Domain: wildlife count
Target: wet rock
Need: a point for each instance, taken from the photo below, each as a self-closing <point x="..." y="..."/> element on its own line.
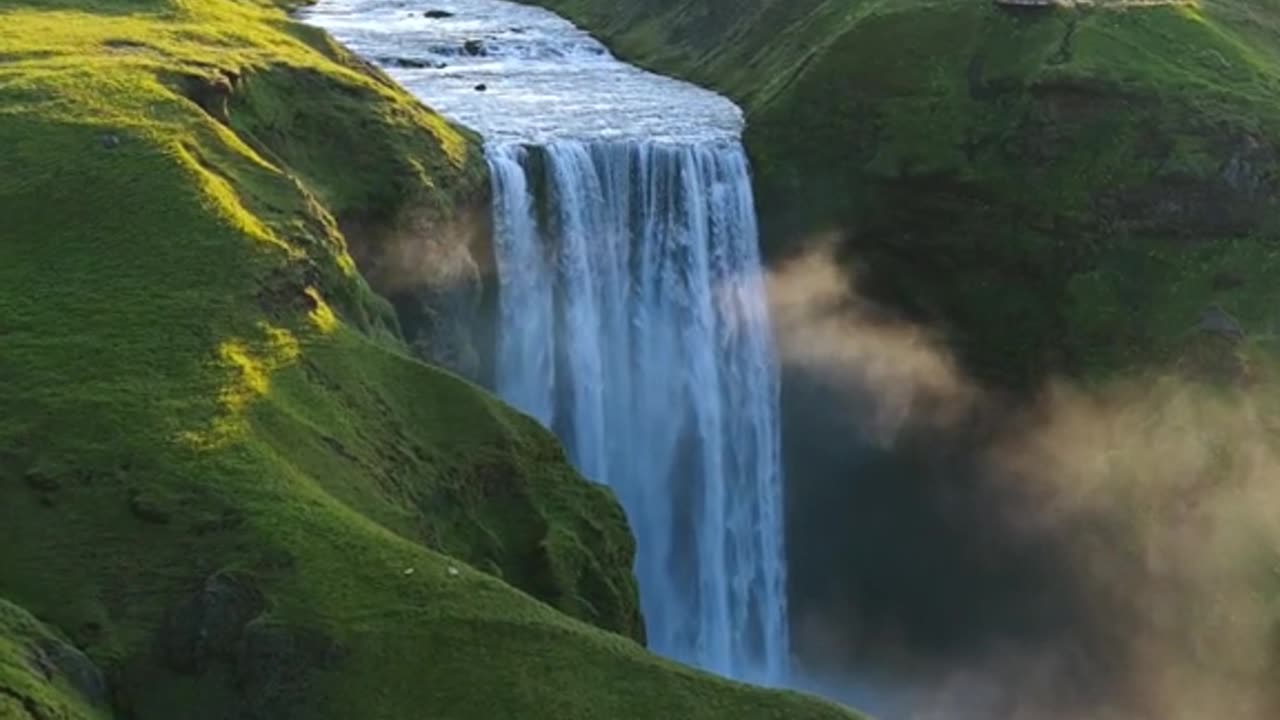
<point x="437" y="14"/>
<point x="481" y="87"/>
<point x="209" y="625"/>
<point x="475" y="48"/>
<point x="410" y="63"/>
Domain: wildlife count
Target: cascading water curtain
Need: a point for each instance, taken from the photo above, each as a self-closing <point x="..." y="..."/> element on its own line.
<point x="634" y="324"/>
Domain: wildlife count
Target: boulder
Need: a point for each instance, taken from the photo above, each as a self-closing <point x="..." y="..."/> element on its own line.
<point x="209" y="624"/>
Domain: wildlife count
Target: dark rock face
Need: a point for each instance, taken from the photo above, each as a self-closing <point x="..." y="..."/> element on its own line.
<point x="49" y="677"/>
<point x="54" y="659"/>
<point x="434" y="273"/>
<point x="273" y="664"/>
<point x="270" y="663"/>
<point x="209" y="625"/>
<point x="436" y="324"/>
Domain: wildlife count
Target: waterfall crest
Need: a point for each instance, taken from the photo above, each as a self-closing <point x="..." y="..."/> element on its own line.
<point x="633" y="322"/>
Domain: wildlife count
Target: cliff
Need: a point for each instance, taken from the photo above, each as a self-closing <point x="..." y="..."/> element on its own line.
<point x="1057" y="189"/>
<point x="227" y="487"/>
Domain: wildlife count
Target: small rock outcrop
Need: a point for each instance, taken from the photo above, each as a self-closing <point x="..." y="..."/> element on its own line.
<point x="54" y="659"/>
<point x="46" y="676"/>
<point x="209" y="624"/>
<point x="269" y="662"/>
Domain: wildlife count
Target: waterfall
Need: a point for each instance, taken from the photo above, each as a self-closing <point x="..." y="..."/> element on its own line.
<point x="633" y="323"/>
<point x="632" y="313"/>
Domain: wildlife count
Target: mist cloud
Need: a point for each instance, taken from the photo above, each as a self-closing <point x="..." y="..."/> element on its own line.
<point x="1152" y="504"/>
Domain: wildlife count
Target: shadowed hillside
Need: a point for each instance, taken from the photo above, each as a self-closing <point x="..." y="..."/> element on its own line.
<point x="1017" y="200"/>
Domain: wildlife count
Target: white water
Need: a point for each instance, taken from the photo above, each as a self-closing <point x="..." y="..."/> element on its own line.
<point x="633" y="319"/>
<point x="545" y="79"/>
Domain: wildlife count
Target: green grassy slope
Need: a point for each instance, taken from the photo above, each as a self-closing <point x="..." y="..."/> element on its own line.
<point x="222" y="476"/>
<point x="1059" y="189"/>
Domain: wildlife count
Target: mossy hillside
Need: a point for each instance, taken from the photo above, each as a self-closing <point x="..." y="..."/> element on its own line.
<point x="297" y="266"/>
<point x="1059" y="189"/>
<point x="221" y="475"/>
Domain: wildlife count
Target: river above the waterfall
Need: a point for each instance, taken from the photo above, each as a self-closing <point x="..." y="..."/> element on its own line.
<point x="521" y="74"/>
